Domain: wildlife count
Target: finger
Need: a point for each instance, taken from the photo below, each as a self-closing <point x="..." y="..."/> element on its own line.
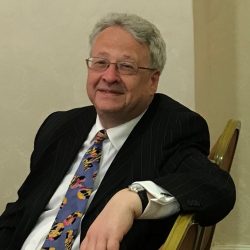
<point x="113" y="245"/>
<point x="87" y="244"/>
<point x="83" y="244"/>
<point x="101" y="244"/>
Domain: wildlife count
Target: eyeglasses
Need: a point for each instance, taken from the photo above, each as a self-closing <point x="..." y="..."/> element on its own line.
<point x="124" y="68"/>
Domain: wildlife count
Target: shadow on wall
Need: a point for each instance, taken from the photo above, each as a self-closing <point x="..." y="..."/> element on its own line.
<point x="216" y="72"/>
<point x="215" y="61"/>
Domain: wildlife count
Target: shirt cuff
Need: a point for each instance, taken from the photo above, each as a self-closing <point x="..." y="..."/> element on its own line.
<point x="162" y="204"/>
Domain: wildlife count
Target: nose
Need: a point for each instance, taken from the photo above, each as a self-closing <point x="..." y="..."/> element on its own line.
<point x="111" y="74"/>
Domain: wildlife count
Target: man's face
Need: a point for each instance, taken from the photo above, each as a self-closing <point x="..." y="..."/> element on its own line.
<point x="116" y="97"/>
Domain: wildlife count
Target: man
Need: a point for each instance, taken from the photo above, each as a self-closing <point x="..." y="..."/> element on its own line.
<point x="154" y="143"/>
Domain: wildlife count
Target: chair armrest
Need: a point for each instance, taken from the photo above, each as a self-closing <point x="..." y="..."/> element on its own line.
<point x="184" y="228"/>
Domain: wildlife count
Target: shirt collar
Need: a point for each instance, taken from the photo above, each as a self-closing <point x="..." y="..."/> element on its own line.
<point x="117" y="135"/>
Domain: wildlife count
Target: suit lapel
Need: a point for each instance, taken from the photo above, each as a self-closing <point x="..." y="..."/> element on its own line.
<point x="65" y="144"/>
<point x="70" y="140"/>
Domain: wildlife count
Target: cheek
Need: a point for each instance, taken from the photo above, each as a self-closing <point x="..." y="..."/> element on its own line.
<point x="90" y="86"/>
<point x="135" y="92"/>
<point x="92" y="81"/>
<point x="137" y="86"/>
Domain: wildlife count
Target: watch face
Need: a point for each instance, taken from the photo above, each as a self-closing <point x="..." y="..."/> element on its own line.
<point x="136" y="187"/>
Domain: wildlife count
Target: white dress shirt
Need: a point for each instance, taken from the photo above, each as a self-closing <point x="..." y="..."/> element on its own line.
<point x="161" y="204"/>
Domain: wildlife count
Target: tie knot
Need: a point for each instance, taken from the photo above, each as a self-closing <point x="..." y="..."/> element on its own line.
<point x="101" y="135"/>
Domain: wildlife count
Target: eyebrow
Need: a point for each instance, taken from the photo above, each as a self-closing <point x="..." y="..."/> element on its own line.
<point x="124" y="57"/>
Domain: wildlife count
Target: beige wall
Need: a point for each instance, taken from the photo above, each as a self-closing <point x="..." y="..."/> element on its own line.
<point x="43" y="45"/>
<point x="222" y="61"/>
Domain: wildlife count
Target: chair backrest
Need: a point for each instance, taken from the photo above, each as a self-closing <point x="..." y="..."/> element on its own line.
<point x="186" y="233"/>
<point x="222" y="154"/>
<point x="223" y="151"/>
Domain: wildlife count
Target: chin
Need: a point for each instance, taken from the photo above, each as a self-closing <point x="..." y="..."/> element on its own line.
<point x="109" y="110"/>
<point x="109" y="105"/>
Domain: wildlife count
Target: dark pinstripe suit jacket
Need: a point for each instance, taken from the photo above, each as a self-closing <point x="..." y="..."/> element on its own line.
<point x="169" y="146"/>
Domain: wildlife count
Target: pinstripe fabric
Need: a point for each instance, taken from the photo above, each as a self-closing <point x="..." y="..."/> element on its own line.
<point x="169" y="146"/>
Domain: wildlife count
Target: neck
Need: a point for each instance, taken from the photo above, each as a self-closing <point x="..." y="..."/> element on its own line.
<point x="111" y="120"/>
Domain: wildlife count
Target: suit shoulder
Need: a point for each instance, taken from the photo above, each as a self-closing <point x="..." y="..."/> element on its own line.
<point x="64" y="120"/>
<point x="165" y="106"/>
<point x="170" y="111"/>
<point x="68" y="115"/>
<point x="64" y="116"/>
<point x="169" y="104"/>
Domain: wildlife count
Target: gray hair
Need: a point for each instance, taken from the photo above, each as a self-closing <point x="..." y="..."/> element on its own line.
<point x="142" y="30"/>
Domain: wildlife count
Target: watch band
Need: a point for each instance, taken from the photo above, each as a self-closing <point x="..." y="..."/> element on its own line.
<point x="144" y="198"/>
<point x="141" y="191"/>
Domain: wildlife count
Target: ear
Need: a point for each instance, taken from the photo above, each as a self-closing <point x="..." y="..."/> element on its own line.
<point x="155" y="76"/>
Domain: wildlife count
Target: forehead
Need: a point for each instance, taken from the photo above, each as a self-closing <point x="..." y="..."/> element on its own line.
<point x="117" y="42"/>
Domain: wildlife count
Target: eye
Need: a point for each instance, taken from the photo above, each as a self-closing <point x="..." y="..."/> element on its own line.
<point x="127" y="67"/>
<point x="99" y="63"/>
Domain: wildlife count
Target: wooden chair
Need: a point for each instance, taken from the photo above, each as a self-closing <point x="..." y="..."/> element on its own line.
<point x="186" y="233"/>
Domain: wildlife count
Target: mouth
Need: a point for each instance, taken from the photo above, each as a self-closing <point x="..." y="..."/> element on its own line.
<point x="110" y="92"/>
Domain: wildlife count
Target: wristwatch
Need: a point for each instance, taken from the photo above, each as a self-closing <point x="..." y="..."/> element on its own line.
<point x="141" y="191"/>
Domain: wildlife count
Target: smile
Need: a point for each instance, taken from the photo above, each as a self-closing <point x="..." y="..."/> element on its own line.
<point x="112" y="92"/>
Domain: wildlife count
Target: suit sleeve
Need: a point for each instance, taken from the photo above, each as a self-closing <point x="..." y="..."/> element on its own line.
<point x="199" y="186"/>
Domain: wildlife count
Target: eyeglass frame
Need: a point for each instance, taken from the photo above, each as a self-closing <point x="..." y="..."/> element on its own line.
<point x="117" y="64"/>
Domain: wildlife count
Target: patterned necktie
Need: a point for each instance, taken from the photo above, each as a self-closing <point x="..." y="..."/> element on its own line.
<point x="67" y="222"/>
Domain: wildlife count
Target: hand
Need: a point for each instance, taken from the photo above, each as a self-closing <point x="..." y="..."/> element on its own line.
<point x="115" y="220"/>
